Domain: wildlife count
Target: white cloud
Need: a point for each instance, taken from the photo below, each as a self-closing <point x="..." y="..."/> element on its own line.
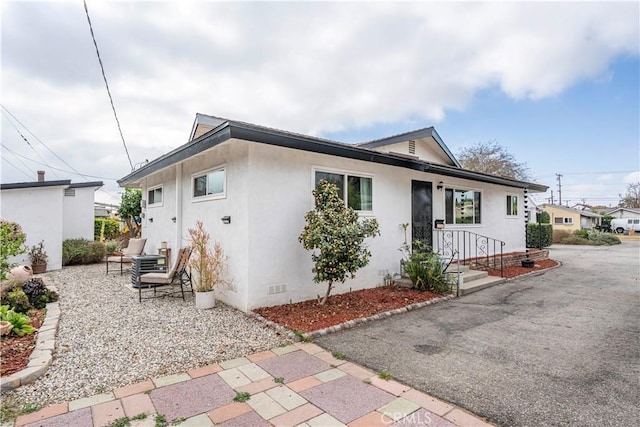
<point x="632" y="178"/>
<point x="312" y="68"/>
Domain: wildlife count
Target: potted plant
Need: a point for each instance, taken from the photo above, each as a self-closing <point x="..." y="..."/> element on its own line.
<point x="209" y="266"/>
<point x="38" y="257"/>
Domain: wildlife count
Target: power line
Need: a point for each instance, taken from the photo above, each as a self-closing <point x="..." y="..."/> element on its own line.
<point x="104" y="76"/>
<point x="45" y="145"/>
<point x="17" y="168"/>
<point x="27" y="141"/>
<point x="60" y="169"/>
<point x="16" y="156"/>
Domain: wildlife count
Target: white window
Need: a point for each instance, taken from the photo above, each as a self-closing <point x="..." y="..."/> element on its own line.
<point x="462" y="206"/>
<point x="512" y="205"/>
<point x="358" y="188"/>
<point x="209" y="184"/>
<point x="562" y="220"/>
<point x="154" y="196"/>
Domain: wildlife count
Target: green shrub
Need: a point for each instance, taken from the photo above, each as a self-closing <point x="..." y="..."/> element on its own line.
<point x="17" y="300"/>
<point x="425" y="270"/>
<point x="20" y="323"/>
<point x="599" y="238"/>
<point x="574" y="240"/>
<point x="82" y="251"/>
<point x="12" y="240"/>
<point x="105" y="229"/>
<point x="38" y="294"/>
<point x="543" y="217"/>
<point x="112" y="246"/>
<point x="582" y="233"/>
<point x="540" y="235"/>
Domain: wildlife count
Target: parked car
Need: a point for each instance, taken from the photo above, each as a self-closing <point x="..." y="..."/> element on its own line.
<point x="620" y="225"/>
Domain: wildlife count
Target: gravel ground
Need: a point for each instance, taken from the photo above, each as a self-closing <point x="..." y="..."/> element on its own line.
<point x="106" y="339"/>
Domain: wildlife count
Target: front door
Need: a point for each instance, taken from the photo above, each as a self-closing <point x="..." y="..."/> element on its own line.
<point x="421" y="211"/>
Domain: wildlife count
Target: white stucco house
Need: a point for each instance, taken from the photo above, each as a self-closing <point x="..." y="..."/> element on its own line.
<point x="52" y="211"/>
<point x="624" y="213"/>
<point x="251" y="186"/>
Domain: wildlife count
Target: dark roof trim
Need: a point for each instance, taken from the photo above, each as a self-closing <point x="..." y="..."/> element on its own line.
<point x="87" y="184"/>
<point x="415" y="134"/>
<point x="260" y="134"/>
<point x="36" y="184"/>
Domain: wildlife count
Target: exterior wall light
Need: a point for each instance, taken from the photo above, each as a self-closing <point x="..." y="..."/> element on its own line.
<point x="226" y="219"/>
<point x="440" y="185"/>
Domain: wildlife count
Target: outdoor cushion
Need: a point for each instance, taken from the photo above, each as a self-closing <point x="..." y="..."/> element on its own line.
<point x="119" y="258"/>
<point x="135" y="247"/>
<point x="159" y="278"/>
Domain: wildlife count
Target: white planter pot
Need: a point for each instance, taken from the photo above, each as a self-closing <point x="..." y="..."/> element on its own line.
<point x="205" y="300"/>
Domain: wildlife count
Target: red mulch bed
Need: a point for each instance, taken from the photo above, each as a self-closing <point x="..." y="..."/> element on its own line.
<point x="15" y="350"/>
<point x="308" y="316"/>
<point x="511" y="272"/>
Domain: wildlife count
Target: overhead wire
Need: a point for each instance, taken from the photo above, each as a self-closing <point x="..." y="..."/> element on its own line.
<point x="16" y="156"/>
<point x="17" y="168"/>
<point x="104" y="76"/>
<point x="24" y="138"/>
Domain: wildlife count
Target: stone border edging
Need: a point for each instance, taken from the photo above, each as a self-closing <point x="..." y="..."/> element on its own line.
<point x="42" y="354"/>
<point x="348" y="324"/>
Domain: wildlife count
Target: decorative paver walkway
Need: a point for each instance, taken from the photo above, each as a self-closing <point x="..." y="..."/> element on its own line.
<point x="297" y="385"/>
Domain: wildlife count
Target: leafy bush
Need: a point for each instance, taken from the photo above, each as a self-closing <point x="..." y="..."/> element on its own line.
<point x="12" y="240"/>
<point x="582" y="233"/>
<point x="82" y="251"/>
<point x="599" y="238"/>
<point x="543" y="217"/>
<point x="112" y="246"/>
<point x="38" y="294"/>
<point x="20" y="323"/>
<point x="574" y="240"/>
<point x="105" y="228"/>
<point x="540" y="235"/>
<point x="335" y="234"/>
<point x="17" y="300"/>
<point x="425" y="269"/>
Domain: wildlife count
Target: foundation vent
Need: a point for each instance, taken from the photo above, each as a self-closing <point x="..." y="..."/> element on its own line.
<point x="277" y="289"/>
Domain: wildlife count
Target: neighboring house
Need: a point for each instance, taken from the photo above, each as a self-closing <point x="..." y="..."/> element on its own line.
<point x="251" y="186"/>
<point x="624" y="213"/>
<point x="105" y="210"/>
<point x="52" y="211"/>
<point x="565" y="218"/>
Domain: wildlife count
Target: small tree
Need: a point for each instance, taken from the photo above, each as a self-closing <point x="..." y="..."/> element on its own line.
<point x="631" y="199"/>
<point x="12" y="240"/>
<point x="336" y="236"/>
<point x="492" y="158"/>
<point x="130" y="210"/>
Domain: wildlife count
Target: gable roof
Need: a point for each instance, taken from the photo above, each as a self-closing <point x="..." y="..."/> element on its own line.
<point x="612" y="210"/>
<point x="429" y="132"/>
<point x="233" y="129"/>
<point x="575" y="211"/>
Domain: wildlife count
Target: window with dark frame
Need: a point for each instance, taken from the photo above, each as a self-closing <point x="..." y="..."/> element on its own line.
<point x="462" y="206"/>
<point x="358" y="189"/>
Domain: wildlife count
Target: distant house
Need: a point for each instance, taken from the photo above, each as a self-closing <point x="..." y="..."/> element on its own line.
<point x="251" y="186"/>
<point x="570" y="219"/>
<point x="52" y="211"/>
<point x="624" y="213"/>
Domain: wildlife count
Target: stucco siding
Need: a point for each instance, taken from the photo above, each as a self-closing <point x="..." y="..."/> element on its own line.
<point x="78" y="214"/>
<point x="39" y="211"/>
<point x="427" y="150"/>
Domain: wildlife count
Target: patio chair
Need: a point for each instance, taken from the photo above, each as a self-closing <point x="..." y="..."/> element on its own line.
<point x="177" y="276"/>
<point x="135" y="248"/>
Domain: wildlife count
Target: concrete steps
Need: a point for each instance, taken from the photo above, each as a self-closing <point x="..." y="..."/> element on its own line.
<point x="471" y="280"/>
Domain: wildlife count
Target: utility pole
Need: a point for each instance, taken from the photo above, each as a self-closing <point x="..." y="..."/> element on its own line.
<point x="559" y="176"/>
<point x="551" y="196"/>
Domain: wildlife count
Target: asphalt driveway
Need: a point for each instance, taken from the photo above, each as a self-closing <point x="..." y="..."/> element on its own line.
<point x="559" y="348"/>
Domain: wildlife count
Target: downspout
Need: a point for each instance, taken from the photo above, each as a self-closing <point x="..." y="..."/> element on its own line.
<point x="178" y="214"/>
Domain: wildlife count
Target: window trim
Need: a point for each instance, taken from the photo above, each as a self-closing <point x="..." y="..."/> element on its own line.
<point x="508" y="205"/>
<point x="462" y="188"/>
<point x="217" y="196"/>
<point x="346" y="173"/>
<point x="155" y="204"/>
<point x="566" y="220"/>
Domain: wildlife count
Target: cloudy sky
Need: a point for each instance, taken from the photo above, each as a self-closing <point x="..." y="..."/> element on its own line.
<point x="557" y="84"/>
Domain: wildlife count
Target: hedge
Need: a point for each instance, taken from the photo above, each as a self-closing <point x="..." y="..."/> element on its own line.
<point x="111" y="228"/>
<point x="82" y="251"/>
<point x="539" y="235"/>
